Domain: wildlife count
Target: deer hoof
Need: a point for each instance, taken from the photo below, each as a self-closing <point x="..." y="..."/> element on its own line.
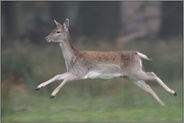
<point x="37" y="89"/>
<point x="51" y="97"/>
<point x="175" y="94"/>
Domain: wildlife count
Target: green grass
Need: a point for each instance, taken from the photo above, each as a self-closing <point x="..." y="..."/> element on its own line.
<point x="129" y="104"/>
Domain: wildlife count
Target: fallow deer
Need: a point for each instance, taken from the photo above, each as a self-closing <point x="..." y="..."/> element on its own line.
<point x="104" y="65"/>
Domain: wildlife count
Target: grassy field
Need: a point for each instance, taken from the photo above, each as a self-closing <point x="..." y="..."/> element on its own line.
<point x="115" y="100"/>
<point x="129" y="104"/>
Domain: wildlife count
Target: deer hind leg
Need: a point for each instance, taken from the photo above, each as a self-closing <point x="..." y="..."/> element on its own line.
<point x="57" y="77"/>
<point x="152" y="76"/>
<point x="148" y="89"/>
<point x="67" y="79"/>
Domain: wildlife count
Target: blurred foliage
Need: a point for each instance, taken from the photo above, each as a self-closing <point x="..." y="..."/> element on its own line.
<point x="18" y="66"/>
<point x="16" y="62"/>
<point x="40" y="62"/>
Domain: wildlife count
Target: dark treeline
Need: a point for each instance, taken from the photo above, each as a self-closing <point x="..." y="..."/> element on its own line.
<point x="34" y="20"/>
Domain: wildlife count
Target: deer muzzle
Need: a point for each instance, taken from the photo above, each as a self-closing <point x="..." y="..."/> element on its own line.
<point x="48" y="39"/>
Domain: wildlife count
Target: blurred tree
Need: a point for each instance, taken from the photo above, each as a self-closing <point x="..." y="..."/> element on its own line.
<point x="95" y="18"/>
<point x="99" y="19"/>
<point x="141" y="19"/>
<point x="11" y="13"/>
<point x="172" y="19"/>
<point x="58" y="10"/>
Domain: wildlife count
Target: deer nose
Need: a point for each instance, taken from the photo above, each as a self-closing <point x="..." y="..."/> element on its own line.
<point x="46" y="38"/>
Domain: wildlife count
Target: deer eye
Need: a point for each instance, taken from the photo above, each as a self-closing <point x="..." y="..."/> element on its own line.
<point x="58" y="32"/>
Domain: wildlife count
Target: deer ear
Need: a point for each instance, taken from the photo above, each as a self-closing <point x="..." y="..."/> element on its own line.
<point x="57" y="24"/>
<point x="66" y="24"/>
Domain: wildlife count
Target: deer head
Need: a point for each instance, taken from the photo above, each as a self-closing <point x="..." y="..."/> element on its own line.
<point x="60" y="33"/>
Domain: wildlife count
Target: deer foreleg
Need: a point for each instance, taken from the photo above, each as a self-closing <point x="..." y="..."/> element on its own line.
<point x="67" y="79"/>
<point x="57" y="77"/>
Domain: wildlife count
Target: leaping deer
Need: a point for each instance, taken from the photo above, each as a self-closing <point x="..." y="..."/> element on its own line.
<point x="104" y="65"/>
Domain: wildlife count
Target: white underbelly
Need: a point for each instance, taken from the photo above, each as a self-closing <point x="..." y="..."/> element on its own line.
<point x="102" y="75"/>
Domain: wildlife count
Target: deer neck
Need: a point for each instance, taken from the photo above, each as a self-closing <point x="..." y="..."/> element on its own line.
<point x="68" y="50"/>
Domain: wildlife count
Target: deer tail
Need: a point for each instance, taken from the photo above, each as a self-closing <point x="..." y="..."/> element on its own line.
<point x="141" y="55"/>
